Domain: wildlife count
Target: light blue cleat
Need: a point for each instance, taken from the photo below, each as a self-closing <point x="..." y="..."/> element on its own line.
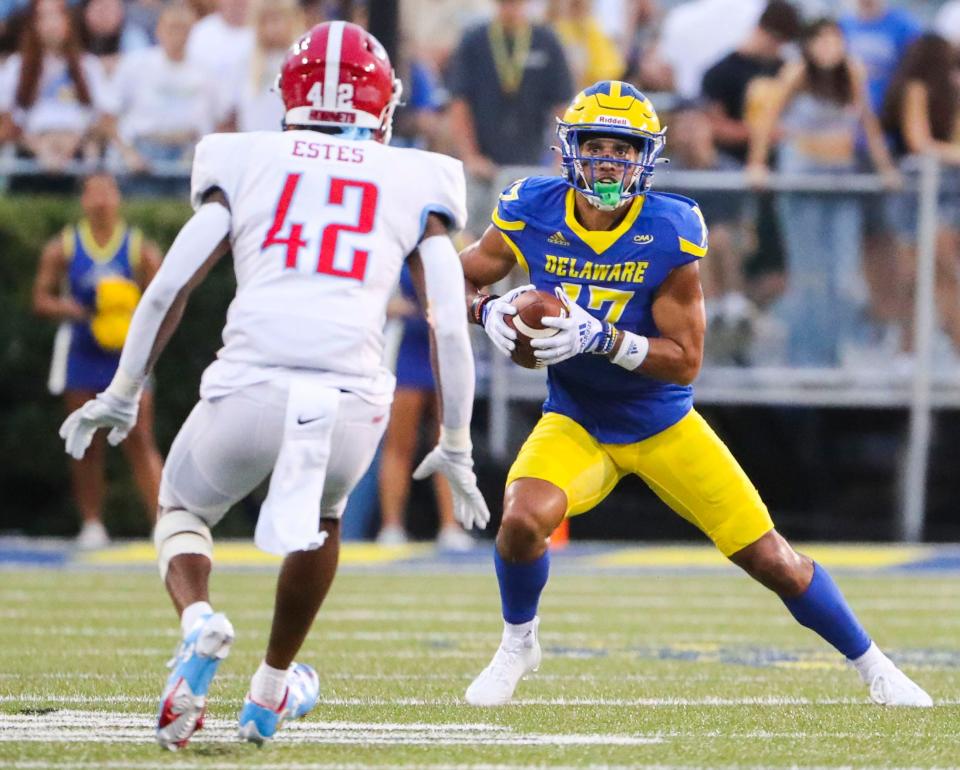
<point x="258" y="724"/>
<point x="184" y="700"/>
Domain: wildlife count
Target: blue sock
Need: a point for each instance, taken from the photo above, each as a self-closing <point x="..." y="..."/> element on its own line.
<point x="822" y="609"/>
<point x="520" y="586"/>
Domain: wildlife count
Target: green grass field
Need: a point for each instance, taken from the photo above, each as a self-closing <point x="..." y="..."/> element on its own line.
<point x="641" y="669"/>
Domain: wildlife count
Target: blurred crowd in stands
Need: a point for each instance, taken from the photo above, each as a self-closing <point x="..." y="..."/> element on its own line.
<point x="813" y="86"/>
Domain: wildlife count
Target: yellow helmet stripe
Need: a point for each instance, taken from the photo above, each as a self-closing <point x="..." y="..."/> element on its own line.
<point x="615" y="89"/>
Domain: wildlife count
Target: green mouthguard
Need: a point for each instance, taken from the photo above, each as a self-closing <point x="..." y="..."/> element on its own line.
<point x="608" y="192"/>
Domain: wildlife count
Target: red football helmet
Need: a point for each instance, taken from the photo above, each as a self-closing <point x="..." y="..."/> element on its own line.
<point x="339" y="75"/>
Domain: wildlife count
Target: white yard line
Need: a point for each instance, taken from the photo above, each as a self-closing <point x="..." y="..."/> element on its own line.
<point x="773" y="701"/>
<point x="104" y="727"/>
<point x="183" y="764"/>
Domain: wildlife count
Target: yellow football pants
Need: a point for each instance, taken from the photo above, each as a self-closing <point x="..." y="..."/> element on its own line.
<point x="687" y="465"/>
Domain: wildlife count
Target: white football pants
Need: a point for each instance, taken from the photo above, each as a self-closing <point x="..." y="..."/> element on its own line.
<point x="228" y="446"/>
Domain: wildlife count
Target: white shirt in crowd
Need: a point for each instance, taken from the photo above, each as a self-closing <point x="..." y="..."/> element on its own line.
<point x="162" y="98"/>
<point x="320" y="227"/>
<point x="696" y="35"/>
<point x="258" y="106"/>
<point x="223" y="51"/>
<point x="57" y="107"/>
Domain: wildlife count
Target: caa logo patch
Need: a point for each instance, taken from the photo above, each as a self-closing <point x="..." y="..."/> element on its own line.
<point x="643" y="239"/>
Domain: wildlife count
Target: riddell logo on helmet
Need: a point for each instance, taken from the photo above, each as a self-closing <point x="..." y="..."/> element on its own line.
<point x="611" y="120"/>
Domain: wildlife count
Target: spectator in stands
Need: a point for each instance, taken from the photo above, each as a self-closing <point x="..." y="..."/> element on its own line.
<point x="54" y="98"/>
<point x="433" y="27"/>
<point x="276" y="24"/>
<point x="104" y="264"/>
<point x="507" y="80"/>
<point x="698" y="33"/>
<point x="645" y="67"/>
<point x="822" y="99"/>
<point x="417" y="119"/>
<point x="878" y="36"/>
<point x="106" y="32"/>
<point x="222" y="43"/>
<point x="166" y="103"/>
<point x="727" y="85"/>
<point x="415" y="399"/>
<point x="734" y="91"/>
<point x="920" y="115"/>
<point x="591" y="54"/>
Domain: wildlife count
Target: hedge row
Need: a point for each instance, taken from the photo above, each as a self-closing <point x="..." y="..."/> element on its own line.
<point x="33" y="468"/>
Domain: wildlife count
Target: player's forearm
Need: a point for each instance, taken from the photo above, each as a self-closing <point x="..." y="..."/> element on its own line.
<point x="658" y="357"/>
<point x="668" y="361"/>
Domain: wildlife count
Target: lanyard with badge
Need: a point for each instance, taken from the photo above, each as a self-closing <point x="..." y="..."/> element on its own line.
<point x="509" y="64"/>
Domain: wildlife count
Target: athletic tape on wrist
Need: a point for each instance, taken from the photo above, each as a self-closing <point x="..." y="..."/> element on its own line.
<point x="124" y="387"/>
<point x="633" y="350"/>
<point x="455" y="439"/>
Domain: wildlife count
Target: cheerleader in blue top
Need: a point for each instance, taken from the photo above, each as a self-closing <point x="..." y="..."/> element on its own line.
<point x="90" y="278"/>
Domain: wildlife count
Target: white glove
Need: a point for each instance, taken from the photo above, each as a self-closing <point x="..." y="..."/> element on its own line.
<point x="469" y="507"/>
<point x="578" y="333"/>
<point x="494" y="325"/>
<point x="104" y="411"/>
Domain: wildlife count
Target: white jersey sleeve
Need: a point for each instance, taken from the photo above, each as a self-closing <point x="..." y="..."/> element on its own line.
<point x="216" y="164"/>
<point x="445" y="190"/>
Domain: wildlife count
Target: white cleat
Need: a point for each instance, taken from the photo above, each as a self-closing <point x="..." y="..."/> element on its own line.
<point x="516" y="657"/>
<point x="889" y="686"/>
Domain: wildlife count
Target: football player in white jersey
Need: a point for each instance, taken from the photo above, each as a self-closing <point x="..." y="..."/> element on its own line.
<point x="319" y="218"/>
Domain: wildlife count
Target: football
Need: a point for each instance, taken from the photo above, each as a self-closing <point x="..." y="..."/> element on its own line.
<point x="532" y="307"/>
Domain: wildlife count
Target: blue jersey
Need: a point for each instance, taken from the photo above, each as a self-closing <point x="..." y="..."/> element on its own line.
<point x="89" y="366"/>
<point x="615" y="275"/>
<point x="880" y="44"/>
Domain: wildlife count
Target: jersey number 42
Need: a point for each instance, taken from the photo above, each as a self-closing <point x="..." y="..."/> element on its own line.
<point x="294" y="240"/>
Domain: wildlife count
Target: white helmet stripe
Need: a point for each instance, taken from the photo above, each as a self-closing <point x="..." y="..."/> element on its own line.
<point x="331" y="77"/>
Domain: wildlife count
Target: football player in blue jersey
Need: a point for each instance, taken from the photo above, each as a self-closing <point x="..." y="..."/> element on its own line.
<point x="624" y="261"/>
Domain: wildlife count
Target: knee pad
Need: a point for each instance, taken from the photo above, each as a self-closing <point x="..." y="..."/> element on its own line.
<point x="178" y="532"/>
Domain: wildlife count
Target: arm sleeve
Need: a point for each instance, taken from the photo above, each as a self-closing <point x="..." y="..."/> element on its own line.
<point x="447" y="196"/>
<point x="193" y="246"/>
<point x="443" y="276"/>
<point x="215" y="164"/>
